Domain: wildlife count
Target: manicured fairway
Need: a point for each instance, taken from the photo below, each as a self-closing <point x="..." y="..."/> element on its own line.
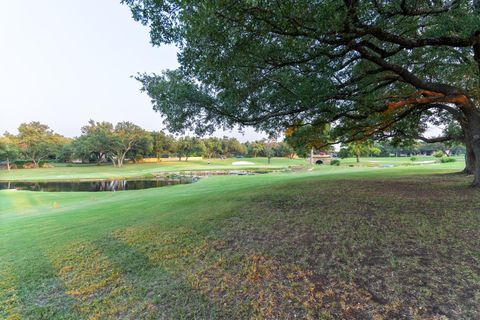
<point x="105" y="171"/>
<point x="336" y="242"/>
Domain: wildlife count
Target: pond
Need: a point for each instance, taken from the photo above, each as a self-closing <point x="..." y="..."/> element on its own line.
<point x="95" y="186"/>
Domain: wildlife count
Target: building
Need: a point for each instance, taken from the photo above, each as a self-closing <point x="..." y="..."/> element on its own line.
<point x="319" y="158"/>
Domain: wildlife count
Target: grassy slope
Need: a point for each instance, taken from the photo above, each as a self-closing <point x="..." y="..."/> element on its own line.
<point x="336" y="242"/>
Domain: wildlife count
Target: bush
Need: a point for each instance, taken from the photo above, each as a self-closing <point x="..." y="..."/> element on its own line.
<point x="438" y="154"/>
<point x="413" y="158"/>
<point x="21" y="164"/>
<point x="447" y="159"/>
<point x="335" y="162"/>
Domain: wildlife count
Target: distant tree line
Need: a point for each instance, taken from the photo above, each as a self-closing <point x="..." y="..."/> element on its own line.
<point x="104" y="142"/>
<point x="387" y="148"/>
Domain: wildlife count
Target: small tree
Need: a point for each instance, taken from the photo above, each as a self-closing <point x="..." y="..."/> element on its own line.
<point x="268" y="146"/>
<point x="256" y="148"/>
<point x="359" y="148"/>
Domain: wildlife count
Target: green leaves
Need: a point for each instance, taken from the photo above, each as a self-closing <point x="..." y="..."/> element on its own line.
<point x="274" y="64"/>
<point x="37" y="141"/>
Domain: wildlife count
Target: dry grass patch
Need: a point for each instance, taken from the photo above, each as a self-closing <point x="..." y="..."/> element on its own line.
<point x="100" y="288"/>
<point x="9" y="302"/>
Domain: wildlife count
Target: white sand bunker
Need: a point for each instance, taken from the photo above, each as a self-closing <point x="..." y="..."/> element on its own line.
<point x="242" y="163"/>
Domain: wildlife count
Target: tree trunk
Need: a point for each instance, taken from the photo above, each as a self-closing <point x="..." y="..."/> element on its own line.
<point x="114" y="163"/>
<point x="472" y="142"/>
<point x="99" y="158"/>
<point x="469" y="158"/>
<point x="120" y="160"/>
<point x="358" y="157"/>
<point x="311" y="156"/>
<point x="8" y="164"/>
<point x="269" y="159"/>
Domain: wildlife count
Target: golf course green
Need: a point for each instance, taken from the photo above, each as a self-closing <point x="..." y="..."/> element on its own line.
<point x="354" y="241"/>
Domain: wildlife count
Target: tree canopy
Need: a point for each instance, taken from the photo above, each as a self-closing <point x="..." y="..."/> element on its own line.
<point x="37" y="141"/>
<point x="8" y="151"/>
<point x="377" y="69"/>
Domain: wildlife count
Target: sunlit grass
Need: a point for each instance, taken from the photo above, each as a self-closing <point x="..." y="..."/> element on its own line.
<point x="332" y="242"/>
<point x="105" y="171"/>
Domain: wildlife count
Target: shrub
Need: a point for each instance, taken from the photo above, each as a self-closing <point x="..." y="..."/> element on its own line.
<point x="29" y="165"/>
<point x="21" y="163"/>
<point x="438" y="154"/>
<point x="413" y="158"/>
<point x="335" y="162"/>
<point x="261" y="171"/>
<point x="47" y="165"/>
<point x="447" y="159"/>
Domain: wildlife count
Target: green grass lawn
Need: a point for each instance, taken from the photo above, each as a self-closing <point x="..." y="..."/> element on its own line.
<point x="335" y="242"/>
<point x="106" y="171"/>
<point x="408" y="161"/>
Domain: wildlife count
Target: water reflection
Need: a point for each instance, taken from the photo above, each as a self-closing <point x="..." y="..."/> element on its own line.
<point x="94" y="186"/>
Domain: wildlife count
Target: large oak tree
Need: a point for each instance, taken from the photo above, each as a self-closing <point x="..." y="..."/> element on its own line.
<point x="37" y="141"/>
<point x="371" y="68"/>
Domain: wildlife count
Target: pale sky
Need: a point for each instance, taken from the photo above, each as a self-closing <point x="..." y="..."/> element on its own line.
<point x="63" y="62"/>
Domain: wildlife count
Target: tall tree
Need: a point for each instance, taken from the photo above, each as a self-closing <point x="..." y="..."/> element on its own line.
<point x="126" y="137"/>
<point x="369" y="67"/>
<point x="162" y="143"/>
<point x="188" y="146"/>
<point x="231" y="146"/>
<point x="9" y="151"/>
<point x="82" y="149"/>
<point x="141" y="149"/>
<point x="37" y="141"/>
<point x="213" y="147"/>
<point x="96" y="139"/>
<point x="283" y="149"/>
